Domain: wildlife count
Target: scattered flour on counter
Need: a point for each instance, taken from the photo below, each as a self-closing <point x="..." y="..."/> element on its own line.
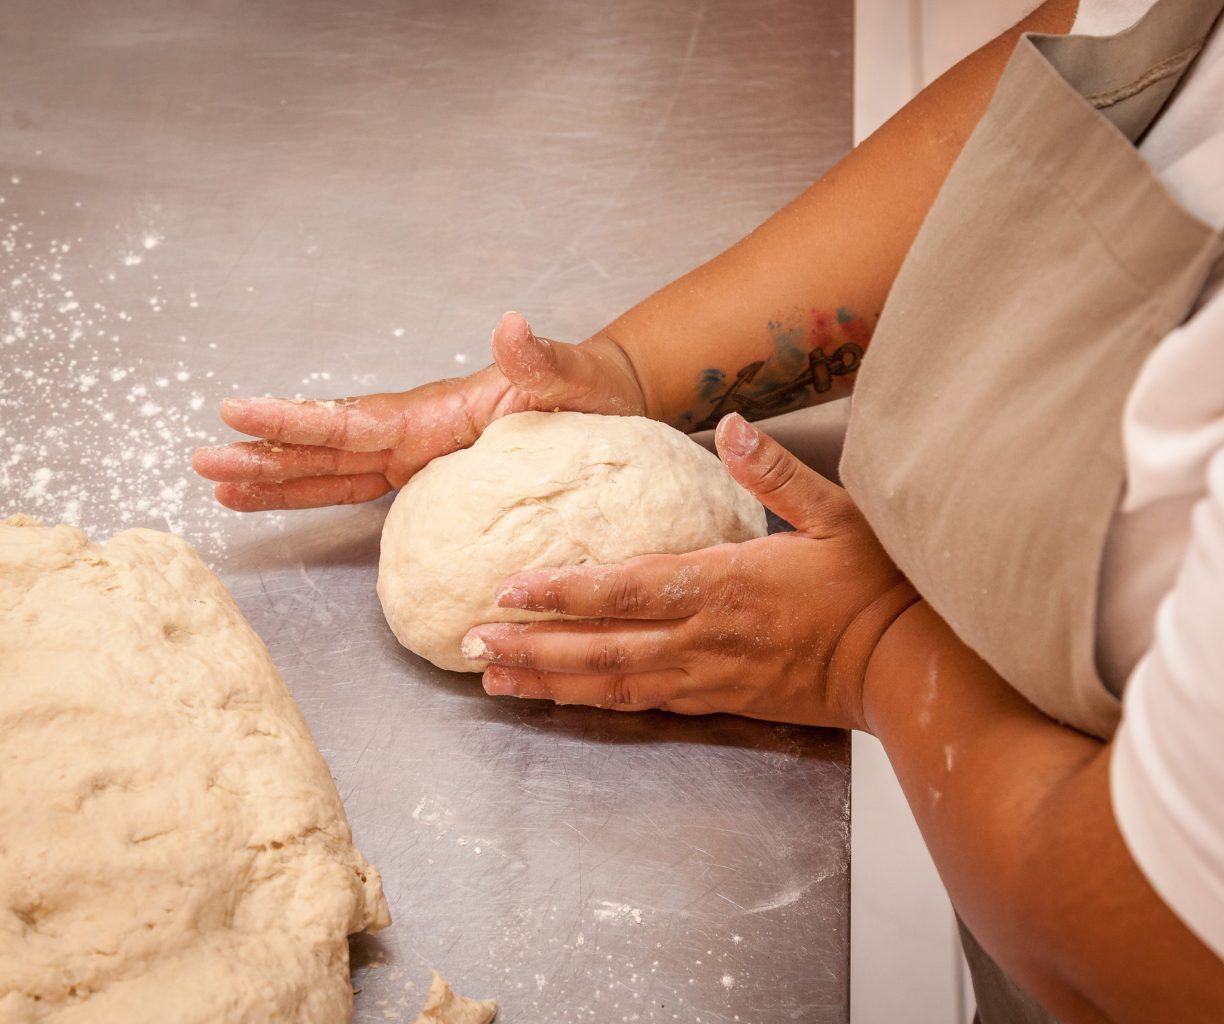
<point x="104" y="390"/>
<point x="610" y="911"/>
<point x="81" y="440"/>
<point x="38" y="488"/>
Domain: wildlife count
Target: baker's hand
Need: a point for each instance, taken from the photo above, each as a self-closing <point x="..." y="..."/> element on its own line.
<point x="778" y="628"/>
<point x="356" y="449"/>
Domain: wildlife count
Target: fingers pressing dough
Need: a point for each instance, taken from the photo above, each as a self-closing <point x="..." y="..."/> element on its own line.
<point x="543" y="490"/>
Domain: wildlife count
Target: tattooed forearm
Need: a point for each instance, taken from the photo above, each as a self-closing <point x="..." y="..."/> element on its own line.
<point x="806" y="360"/>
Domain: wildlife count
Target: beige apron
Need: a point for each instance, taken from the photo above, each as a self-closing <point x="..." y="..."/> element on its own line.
<point x="985" y="444"/>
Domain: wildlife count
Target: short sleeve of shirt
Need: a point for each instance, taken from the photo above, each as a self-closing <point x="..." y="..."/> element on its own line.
<point x="1106" y="17"/>
<point x="1167" y="770"/>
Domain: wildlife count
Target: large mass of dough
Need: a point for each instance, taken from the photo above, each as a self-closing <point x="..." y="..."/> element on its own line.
<point x="544" y="489"/>
<point x="172" y="846"/>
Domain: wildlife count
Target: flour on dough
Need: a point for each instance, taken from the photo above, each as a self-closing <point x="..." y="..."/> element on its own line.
<point x="541" y="490"/>
<point x="172" y="846"/>
<point x="444" y="1006"/>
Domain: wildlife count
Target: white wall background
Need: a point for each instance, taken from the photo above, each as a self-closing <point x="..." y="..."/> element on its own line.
<point x="902" y="45"/>
<point x="905" y="962"/>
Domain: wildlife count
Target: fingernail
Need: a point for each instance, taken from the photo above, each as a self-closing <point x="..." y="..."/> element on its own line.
<point x="474" y="647"/>
<point x="512" y="596"/>
<point x="738" y="435"/>
<point x="498" y="683"/>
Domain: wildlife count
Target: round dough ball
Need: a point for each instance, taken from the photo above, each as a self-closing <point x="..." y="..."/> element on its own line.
<point x="541" y="490"/>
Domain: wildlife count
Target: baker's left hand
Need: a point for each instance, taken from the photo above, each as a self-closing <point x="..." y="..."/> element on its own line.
<point x="777" y="628"/>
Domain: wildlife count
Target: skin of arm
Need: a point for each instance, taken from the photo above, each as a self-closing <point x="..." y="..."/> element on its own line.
<point x="1014" y="807"/>
<point x="1016" y="812"/>
<point x="817" y="273"/>
<point x="818" y="627"/>
<point x="778" y="321"/>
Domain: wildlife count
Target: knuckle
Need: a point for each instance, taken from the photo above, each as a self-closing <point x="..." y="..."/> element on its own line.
<point x="622" y="690"/>
<point x="626" y="596"/>
<point x="278" y="423"/>
<point x="605" y="656"/>
<point x="465" y="426"/>
<point x="779" y="470"/>
<point x="338" y="429"/>
<point x="734" y="598"/>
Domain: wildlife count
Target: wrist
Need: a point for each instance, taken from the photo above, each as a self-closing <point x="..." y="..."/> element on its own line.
<point x="623" y="369"/>
<point x="851" y="661"/>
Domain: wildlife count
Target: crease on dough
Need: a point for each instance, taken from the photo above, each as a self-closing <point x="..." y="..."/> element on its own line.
<point x="544" y="490"/>
<point x="173" y="844"/>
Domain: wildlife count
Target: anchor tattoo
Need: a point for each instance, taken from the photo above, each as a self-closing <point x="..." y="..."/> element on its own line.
<point x="817" y="376"/>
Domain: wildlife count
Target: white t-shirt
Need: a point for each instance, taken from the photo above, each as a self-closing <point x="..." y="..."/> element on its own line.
<point x="1161" y="614"/>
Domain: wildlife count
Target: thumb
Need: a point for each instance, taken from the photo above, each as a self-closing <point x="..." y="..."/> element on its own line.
<point x="778" y="480"/>
<point x="552" y="372"/>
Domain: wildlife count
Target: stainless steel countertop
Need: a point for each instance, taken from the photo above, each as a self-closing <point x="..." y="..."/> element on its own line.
<point x="219" y="197"/>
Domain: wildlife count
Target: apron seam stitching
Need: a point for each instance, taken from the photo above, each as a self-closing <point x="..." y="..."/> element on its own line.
<point x="1158" y="72"/>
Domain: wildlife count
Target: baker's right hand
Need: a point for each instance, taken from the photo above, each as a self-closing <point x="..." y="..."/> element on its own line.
<point x="350" y="450"/>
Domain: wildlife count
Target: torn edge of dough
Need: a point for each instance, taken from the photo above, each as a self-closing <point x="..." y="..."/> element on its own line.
<point x="445" y="1006"/>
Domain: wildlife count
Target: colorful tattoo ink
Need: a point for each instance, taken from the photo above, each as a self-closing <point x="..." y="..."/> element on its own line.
<point x="806" y="359"/>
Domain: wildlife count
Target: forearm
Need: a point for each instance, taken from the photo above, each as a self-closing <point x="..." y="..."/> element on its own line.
<point x="1015" y="811"/>
<point x="781" y="318"/>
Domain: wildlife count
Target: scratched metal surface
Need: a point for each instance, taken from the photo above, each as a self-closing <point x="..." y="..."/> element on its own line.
<point x="217" y="197"/>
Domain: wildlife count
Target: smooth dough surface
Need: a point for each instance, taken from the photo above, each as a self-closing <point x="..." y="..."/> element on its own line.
<point x="172" y="846"/>
<point x="545" y="489"/>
